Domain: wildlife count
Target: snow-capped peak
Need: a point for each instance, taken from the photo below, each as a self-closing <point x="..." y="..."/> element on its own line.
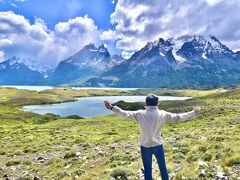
<point x="16" y="63"/>
<point x="217" y="45"/>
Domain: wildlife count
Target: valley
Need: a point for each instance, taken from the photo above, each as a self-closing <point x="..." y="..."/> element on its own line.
<point x="52" y="147"/>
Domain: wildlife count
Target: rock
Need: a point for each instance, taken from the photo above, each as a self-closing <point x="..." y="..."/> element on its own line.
<point x="175" y="149"/>
<point x="78" y="153"/>
<point x="179" y="168"/>
<point x="172" y="175"/>
<point x="112" y="178"/>
<point x="102" y="153"/>
<point x="41" y="159"/>
<point x="204" y="138"/>
<point x="203" y="164"/>
<point x="67" y="174"/>
<point x="5" y="177"/>
<point x="36" y="178"/>
<point x="76" y="177"/>
<point x="131" y="158"/>
<point x="1" y="169"/>
<point x="68" y="166"/>
<point x="92" y="166"/>
<point x="202" y="173"/>
<point x="113" y="146"/>
<point x="220" y="175"/>
<point x="127" y="145"/>
<point x="13" y="168"/>
<point x="141" y="174"/>
<point x="127" y="152"/>
<point x="172" y="140"/>
<point x="97" y="148"/>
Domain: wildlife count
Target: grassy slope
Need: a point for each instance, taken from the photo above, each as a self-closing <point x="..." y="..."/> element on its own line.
<point x="213" y="137"/>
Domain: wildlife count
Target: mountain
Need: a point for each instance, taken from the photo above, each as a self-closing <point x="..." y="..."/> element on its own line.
<point x="16" y="71"/>
<point x="186" y="61"/>
<point x="181" y="62"/>
<point x="89" y="61"/>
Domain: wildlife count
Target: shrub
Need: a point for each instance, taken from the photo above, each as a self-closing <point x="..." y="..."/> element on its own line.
<point x="184" y="150"/>
<point x="70" y="154"/>
<point x="56" y="162"/>
<point x="202" y="148"/>
<point x="192" y="157"/>
<point x="121" y="173"/>
<point x="207" y="156"/>
<point x="27" y="162"/>
<point x="79" y="140"/>
<point x="178" y="155"/>
<point x="118" y="157"/>
<point x="13" y="162"/>
<point x="234" y="160"/>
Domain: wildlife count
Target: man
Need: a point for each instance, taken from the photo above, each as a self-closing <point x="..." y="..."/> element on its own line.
<point x="151" y="122"/>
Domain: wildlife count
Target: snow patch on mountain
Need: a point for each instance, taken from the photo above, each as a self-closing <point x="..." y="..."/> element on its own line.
<point x="16" y="63"/>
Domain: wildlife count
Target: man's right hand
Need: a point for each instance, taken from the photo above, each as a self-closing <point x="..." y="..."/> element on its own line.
<point x="197" y="110"/>
<point x="107" y="105"/>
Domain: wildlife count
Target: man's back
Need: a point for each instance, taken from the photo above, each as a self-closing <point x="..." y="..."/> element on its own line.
<point x="151" y="122"/>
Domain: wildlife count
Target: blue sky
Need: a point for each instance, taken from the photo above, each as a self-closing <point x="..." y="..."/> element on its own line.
<point x="48" y="31"/>
<point x="54" y="11"/>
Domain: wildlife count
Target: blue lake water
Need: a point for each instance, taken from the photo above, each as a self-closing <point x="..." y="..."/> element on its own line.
<point x="89" y="106"/>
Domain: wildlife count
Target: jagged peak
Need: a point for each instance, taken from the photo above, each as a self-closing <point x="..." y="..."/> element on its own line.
<point x="214" y="38"/>
<point x="17" y="60"/>
<point x="90" y="46"/>
<point x="102" y="48"/>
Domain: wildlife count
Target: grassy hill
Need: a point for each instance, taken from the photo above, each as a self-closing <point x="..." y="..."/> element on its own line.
<point x="50" y="147"/>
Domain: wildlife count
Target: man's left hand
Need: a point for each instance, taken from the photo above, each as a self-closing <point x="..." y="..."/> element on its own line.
<point x="107" y="105"/>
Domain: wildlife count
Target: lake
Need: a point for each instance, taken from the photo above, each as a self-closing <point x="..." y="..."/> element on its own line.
<point x="89" y="106"/>
<point x="41" y="88"/>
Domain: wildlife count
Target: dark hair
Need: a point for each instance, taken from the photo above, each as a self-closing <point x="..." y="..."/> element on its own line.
<point x="151" y="100"/>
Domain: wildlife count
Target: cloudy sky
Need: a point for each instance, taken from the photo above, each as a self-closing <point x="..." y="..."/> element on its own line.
<point x="48" y="31"/>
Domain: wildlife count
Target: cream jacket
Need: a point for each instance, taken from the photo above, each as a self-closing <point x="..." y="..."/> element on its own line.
<point x="151" y="121"/>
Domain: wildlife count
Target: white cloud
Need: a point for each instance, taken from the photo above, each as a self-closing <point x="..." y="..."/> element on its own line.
<point x="127" y="54"/>
<point x="1" y="56"/>
<point x="213" y="2"/>
<point x="14" y="5"/>
<point x="108" y="35"/>
<point x="137" y="22"/>
<point x="21" y="38"/>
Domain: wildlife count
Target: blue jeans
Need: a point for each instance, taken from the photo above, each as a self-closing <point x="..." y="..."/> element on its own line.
<point x="147" y="161"/>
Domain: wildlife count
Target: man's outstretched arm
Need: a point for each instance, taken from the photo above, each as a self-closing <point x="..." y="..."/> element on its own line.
<point x="126" y="114"/>
<point x="174" y="117"/>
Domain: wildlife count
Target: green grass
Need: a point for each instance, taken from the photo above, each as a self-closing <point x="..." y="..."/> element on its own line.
<point x="109" y="145"/>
